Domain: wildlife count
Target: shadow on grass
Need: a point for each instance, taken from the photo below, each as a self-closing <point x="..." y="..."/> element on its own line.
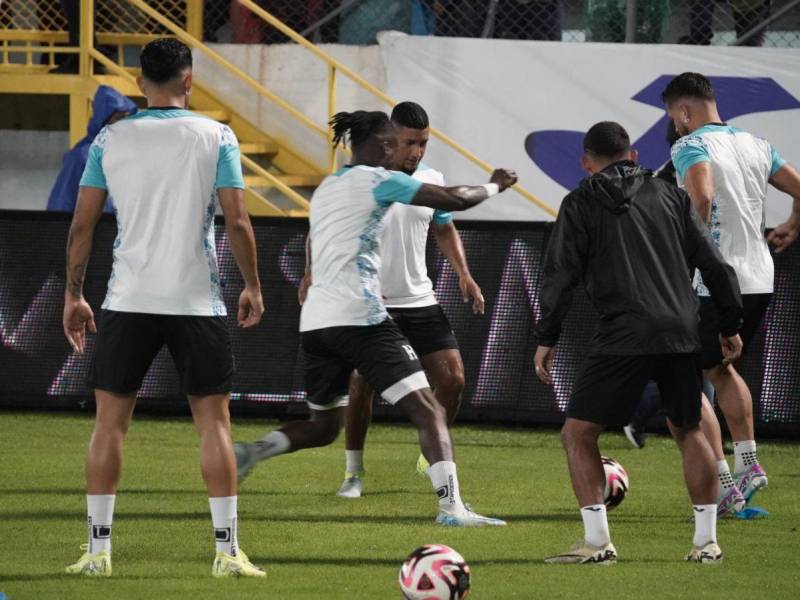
<point x="184" y="492"/>
<point x="57" y="515"/>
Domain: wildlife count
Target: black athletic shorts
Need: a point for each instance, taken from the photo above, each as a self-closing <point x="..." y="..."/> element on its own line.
<point x="755" y="306"/>
<point x="127" y="343"/>
<point x="381" y="353"/>
<point x="426" y="328"/>
<point x="609" y="388"/>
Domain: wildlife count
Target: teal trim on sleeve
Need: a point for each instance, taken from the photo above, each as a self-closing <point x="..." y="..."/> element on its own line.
<point x="229" y="168"/>
<point x="778" y="161"/>
<point x="397" y="187"/>
<point x="93" y="175"/>
<point x="442" y="217"/>
<point x="687" y="152"/>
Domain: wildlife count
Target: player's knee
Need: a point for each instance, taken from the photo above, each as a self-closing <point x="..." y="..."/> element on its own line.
<point x="566" y="436"/>
<point x="327" y="432"/>
<point x="452" y="386"/>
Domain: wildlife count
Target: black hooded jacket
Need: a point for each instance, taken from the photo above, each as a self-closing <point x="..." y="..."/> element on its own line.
<point x="634" y="240"/>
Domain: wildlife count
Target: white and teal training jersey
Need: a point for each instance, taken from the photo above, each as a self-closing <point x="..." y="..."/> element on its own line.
<point x="346" y="220"/>
<point x="162" y="167"/>
<point x="404" y="273"/>
<point x="742" y="166"/>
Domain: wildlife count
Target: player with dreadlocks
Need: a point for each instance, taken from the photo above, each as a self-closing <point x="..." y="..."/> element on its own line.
<point x="344" y="324"/>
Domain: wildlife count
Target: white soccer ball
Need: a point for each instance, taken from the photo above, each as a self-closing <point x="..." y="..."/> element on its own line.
<point x="434" y="572"/>
<point x="616" y="482"/>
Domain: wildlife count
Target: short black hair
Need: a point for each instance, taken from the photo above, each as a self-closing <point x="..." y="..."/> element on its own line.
<point x="164" y="58"/>
<point x="688" y="85"/>
<point x="411" y="115"/>
<point x="359" y="126"/>
<point x="607" y="139"/>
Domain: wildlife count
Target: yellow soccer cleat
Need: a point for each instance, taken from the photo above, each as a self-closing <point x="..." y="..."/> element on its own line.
<point x="708" y="554"/>
<point x="226" y="565"/>
<point x="422" y="466"/>
<point x="92" y="565"/>
<point x="584" y="553"/>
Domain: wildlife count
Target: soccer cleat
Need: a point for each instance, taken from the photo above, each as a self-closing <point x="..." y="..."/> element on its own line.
<point x="467" y="518"/>
<point x="751" y="481"/>
<point x="635" y="435"/>
<point x="92" y="565"/>
<point x="422" y="466"/>
<point x="708" y="554"/>
<point x="730" y="501"/>
<point x="352" y="486"/>
<point x="226" y="565"/>
<point x="584" y="553"/>
<point x="245" y="459"/>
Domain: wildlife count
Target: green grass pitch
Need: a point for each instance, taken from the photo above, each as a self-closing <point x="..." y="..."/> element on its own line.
<point x="315" y="545"/>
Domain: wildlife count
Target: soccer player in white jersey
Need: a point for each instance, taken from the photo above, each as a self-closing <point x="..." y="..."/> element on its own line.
<point x="726" y="172"/>
<point x="344" y="323"/>
<point x="409" y="297"/>
<point x="165" y="167"/>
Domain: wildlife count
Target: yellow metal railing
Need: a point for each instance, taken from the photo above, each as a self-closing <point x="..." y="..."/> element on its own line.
<point x="335" y="66"/>
<point x="136" y="24"/>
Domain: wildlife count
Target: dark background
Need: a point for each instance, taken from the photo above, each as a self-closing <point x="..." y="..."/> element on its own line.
<point x="39" y="370"/>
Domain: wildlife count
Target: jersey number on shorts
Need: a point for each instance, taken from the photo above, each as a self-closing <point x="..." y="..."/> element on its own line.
<point x="410" y="351"/>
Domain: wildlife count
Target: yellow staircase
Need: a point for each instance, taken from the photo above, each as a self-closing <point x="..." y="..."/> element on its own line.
<point x="278" y="177"/>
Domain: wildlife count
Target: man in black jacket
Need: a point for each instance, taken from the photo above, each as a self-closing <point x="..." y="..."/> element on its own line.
<point x="634" y="241"/>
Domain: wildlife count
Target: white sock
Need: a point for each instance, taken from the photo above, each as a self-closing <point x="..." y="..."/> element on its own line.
<point x="355" y="461"/>
<point x="595" y="525"/>
<point x="272" y="444"/>
<point x="101" y="515"/>
<point x="223" y="517"/>
<point x="724" y="475"/>
<point x="705" y="524"/>
<point x="745" y="455"/>
<point x="445" y="483"/>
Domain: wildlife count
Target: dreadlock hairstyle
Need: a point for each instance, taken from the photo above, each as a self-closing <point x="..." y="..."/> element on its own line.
<point x="358" y="126"/>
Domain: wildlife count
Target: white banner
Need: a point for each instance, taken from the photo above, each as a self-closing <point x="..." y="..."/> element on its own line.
<point x="526" y="105"/>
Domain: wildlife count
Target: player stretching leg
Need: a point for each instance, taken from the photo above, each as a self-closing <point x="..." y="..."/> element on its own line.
<point x="630" y="236"/>
<point x="344" y="322"/>
<point x="164" y="169"/>
<point x="726" y="172"/>
<point x="409" y="296"/>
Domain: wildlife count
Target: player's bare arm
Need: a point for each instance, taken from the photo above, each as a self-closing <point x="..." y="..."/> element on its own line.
<point x="449" y="242"/>
<point x="463" y="197"/>
<point x="787" y="180"/>
<point x="305" y="282"/>
<point x="243" y="245"/>
<point x="699" y="182"/>
<point x="78" y="314"/>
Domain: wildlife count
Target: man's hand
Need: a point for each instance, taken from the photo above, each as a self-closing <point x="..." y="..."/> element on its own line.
<point x="784" y="235"/>
<point x="251" y="307"/>
<point x="302" y="290"/>
<point x="78" y="316"/>
<point x="504" y="178"/>
<point x="544" y="363"/>
<point x="471" y="291"/>
<point x="731" y="348"/>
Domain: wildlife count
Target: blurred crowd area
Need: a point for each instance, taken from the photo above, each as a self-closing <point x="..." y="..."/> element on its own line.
<point x="774" y="23"/>
<point x="771" y="23"/>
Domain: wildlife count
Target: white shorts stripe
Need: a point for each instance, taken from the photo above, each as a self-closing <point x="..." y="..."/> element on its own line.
<point x="417" y="381"/>
<point x="337" y="403"/>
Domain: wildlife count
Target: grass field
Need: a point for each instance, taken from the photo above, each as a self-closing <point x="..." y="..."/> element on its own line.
<point x="315" y="545"/>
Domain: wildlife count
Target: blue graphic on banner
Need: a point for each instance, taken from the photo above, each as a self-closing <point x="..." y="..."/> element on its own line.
<point x="558" y="152"/>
